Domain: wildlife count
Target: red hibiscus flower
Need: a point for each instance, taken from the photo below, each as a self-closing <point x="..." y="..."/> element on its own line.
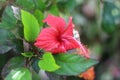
<point x="58" y="38"/>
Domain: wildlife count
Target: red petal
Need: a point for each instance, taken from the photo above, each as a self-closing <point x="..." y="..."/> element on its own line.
<point x="48" y="34"/>
<point x="47" y="39"/>
<point x="69" y="29"/>
<point x="70" y="43"/>
<point x="55" y="22"/>
<point x="59" y="49"/>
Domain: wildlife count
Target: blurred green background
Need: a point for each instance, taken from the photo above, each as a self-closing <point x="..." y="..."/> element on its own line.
<point x="98" y="23"/>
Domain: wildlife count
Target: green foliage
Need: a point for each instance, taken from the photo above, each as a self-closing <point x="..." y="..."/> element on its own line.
<point x="19" y="74"/>
<point x="27" y="54"/>
<point x="39" y="4"/>
<point x="35" y="65"/>
<point x="13" y="63"/>
<point x="48" y="63"/>
<point x="4" y="49"/>
<point x="89" y="16"/>
<point x="54" y="10"/>
<point x="111" y="14"/>
<point x="72" y="64"/>
<point x="6" y="37"/>
<point x="70" y="5"/>
<point x="8" y="19"/>
<point x="31" y="26"/>
<point x="27" y="4"/>
<point x="39" y="16"/>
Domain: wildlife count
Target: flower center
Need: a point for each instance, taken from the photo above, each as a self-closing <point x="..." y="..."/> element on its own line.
<point x="59" y="38"/>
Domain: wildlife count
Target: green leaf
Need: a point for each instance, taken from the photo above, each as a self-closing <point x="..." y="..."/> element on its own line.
<point x="67" y="5"/>
<point x="54" y="10"/>
<point x="40" y="4"/>
<point x="27" y="4"/>
<point x="5" y="41"/>
<point x="27" y="54"/>
<point x="31" y="26"/>
<point x="8" y="41"/>
<point x="5" y="36"/>
<point x="8" y="19"/>
<point x="4" y="49"/>
<point x="72" y="64"/>
<point x="48" y="63"/>
<point x="39" y="16"/>
<point x="18" y="43"/>
<point x="35" y="65"/>
<point x="13" y="63"/>
<point x="19" y="74"/>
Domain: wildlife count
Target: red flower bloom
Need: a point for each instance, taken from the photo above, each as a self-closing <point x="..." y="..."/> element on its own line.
<point x="58" y="37"/>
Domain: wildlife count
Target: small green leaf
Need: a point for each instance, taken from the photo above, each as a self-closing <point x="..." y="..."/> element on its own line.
<point x="39" y="16"/>
<point x="48" y="63"/>
<point x="72" y="64"/>
<point x="19" y="74"/>
<point x="31" y="26"/>
<point x="27" y="54"/>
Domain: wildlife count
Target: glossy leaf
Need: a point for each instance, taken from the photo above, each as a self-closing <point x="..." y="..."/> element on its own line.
<point x="72" y="64"/>
<point x="8" y="18"/>
<point x="19" y="74"/>
<point x="48" y="63"/>
<point x="13" y="63"/>
<point x="31" y="26"/>
<point x="27" y="54"/>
